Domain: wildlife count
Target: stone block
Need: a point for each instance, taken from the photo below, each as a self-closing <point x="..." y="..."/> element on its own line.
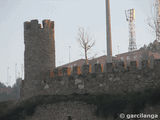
<point x="34" y="24"/>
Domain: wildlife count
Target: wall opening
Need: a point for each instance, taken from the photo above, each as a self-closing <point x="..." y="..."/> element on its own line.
<point x="69" y="118"/>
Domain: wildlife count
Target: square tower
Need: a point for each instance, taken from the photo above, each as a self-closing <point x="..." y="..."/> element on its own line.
<point x="39" y="55"/>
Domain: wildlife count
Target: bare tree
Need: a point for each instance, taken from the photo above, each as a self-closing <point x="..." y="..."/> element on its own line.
<point x="154" y="20"/>
<point x="86" y="42"/>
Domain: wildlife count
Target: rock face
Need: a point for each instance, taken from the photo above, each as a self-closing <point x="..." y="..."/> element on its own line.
<point x="65" y="111"/>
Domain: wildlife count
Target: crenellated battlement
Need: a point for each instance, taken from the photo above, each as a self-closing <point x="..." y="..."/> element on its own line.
<point x="112" y="78"/>
<point x="48" y="24"/>
<point x="34" y="24"/>
<point x="100" y="68"/>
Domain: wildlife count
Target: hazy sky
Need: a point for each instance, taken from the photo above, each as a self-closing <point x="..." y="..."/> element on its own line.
<point x="68" y="15"/>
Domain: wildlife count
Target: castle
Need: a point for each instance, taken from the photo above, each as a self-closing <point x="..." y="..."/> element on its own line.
<point x="43" y="78"/>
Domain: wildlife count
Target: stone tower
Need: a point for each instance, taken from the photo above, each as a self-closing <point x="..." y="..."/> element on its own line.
<point x="39" y="56"/>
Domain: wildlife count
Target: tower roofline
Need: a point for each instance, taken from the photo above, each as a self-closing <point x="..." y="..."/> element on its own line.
<point x="46" y="23"/>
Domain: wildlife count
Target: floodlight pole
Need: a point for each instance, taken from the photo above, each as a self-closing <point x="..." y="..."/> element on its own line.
<point x="108" y="32"/>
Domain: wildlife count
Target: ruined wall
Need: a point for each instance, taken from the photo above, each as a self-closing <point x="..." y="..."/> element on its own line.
<point x="114" y="79"/>
<point x="65" y="111"/>
<point x="39" y="55"/>
<point x="74" y="110"/>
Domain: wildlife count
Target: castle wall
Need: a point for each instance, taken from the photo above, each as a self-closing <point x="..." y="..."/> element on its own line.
<point x="42" y="78"/>
<point x="81" y="111"/>
<point x="65" y="111"/>
<point x="115" y="79"/>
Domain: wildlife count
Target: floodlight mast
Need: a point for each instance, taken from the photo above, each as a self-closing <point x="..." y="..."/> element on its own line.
<point x="108" y="32"/>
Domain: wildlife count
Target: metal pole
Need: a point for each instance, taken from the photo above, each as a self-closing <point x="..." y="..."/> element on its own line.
<point x="7" y="76"/>
<point x="69" y="54"/>
<point x="16" y="71"/>
<point x="22" y="71"/>
<point x="108" y="32"/>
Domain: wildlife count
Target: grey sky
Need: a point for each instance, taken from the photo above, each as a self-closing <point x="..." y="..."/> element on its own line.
<point x="68" y="16"/>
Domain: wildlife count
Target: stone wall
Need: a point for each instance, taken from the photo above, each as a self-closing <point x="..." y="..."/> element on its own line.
<point x="81" y="111"/>
<point x="65" y="111"/>
<point x="114" y="79"/>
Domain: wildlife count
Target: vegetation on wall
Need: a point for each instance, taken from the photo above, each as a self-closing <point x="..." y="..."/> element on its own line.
<point x="107" y="105"/>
